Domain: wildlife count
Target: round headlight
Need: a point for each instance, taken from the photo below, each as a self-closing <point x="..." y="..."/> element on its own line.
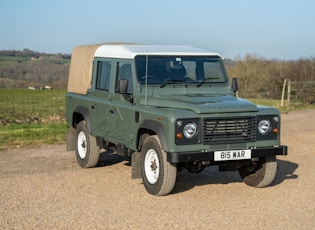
<point x="264" y="126"/>
<point x="190" y="130"/>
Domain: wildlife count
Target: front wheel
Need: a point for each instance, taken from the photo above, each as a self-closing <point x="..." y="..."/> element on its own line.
<point x="260" y="173"/>
<point x="158" y="175"/>
<point x="86" y="149"/>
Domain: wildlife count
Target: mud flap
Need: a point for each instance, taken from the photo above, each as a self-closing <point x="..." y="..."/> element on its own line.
<point x="70" y="139"/>
<point x="136" y="165"/>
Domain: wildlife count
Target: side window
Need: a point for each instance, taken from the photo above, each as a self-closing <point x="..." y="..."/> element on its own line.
<point x="103" y="75"/>
<point x="124" y="72"/>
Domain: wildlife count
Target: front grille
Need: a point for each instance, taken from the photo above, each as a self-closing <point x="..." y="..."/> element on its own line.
<point x="229" y="130"/>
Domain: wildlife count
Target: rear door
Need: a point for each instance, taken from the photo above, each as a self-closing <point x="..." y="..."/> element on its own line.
<point x="100" y="101"/>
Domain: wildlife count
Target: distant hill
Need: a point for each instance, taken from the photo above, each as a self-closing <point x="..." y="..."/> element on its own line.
<point x="30" y="54"/>
<point x="19" y="69"/>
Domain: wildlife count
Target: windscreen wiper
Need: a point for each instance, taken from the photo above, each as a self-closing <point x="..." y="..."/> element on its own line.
<point x="200" y="83"/>
<point x="171" y="81"/>
<point x="204" y="80"/>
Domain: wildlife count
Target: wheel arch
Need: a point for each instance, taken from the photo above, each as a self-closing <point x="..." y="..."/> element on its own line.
<point x="79" y="114"/>
<point x="148" y="128"/>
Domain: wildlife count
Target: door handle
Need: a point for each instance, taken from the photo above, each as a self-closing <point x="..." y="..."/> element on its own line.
<point x="112" y="111"/>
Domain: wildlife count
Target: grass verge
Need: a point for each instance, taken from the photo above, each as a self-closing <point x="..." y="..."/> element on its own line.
<point x="31" y="117"/>
<point x="24" y="135"/>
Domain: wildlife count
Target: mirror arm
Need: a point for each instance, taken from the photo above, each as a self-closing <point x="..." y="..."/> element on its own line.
<point x="235" y="86"/>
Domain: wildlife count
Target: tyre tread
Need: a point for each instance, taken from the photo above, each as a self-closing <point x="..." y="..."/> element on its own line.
<point x="263" y="176"/>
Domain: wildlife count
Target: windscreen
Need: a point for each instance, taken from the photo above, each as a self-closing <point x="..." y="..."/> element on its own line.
<point x="180" y="69"/>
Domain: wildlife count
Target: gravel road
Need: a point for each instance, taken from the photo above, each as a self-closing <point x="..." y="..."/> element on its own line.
<point x="44" y="188"/>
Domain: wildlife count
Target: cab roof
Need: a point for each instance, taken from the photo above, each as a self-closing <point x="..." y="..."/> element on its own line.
<point x="81" y="65"/>
<point x="130" y="51"/>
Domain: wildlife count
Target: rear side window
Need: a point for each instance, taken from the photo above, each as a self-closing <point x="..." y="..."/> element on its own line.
<point x="103" y="75"/>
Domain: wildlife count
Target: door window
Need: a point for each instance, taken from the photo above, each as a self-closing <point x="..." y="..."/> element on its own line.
<point x="124" y="72"/>
<point x="103" y="75"/>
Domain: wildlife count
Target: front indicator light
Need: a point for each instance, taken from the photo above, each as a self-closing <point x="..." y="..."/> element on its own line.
<point x="275" y="130"/>
<point x="179" y="136"/>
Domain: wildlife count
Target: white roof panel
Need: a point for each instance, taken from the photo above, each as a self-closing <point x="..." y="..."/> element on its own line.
<point x="130" y="51"/>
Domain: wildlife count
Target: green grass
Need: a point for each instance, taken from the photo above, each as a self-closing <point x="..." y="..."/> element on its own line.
<point x="31" y="117"/>
<point x="15" y="136"/>
<point x="18" y="106"/>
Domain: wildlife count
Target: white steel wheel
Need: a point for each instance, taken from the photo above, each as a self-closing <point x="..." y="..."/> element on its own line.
<point x="87" y="151"/>
<point x="158" y="175"/>
<point x="82" y="147"/>
<point x="152" y="166"/>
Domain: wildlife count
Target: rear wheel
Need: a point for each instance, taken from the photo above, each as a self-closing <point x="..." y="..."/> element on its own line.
<point x="158" y="175"/>
<point x="87" y="152"/>
<point x="260" y="173"/>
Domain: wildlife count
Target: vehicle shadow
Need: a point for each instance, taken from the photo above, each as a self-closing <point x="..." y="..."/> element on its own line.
<point x="285" y="171"/>
<point x="210" y="175"/>
<point x="109" y="157"/>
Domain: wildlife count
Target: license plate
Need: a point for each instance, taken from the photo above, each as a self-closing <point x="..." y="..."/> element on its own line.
<point x="232" y="155"/>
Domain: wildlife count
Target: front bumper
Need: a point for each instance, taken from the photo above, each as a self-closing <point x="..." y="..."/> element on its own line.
<point x="209" y="156"/>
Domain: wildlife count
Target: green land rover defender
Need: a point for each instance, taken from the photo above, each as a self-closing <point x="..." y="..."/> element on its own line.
<point x="168" y="108"/>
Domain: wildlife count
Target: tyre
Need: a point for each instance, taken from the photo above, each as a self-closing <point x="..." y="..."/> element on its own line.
<point x="158" y="175"/>
<point x="87" y="152"/>
<point x="261" y="173"/>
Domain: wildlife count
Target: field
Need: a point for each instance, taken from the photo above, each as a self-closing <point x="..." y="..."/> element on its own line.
<point x="5" y="60"/>
<point x="10" y="60"/>
<point x="31" y="117"/>
<point x="37" y="117"/>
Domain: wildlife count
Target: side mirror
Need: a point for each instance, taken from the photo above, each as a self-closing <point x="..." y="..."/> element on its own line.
<point x="234" y="85"/>
<point x="123" y="86"/>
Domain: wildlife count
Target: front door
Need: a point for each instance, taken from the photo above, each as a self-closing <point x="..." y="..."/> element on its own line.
<point x="121" y="110"/>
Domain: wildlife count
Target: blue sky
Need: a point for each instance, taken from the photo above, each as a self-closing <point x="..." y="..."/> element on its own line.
<point x="272" y="29"/>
